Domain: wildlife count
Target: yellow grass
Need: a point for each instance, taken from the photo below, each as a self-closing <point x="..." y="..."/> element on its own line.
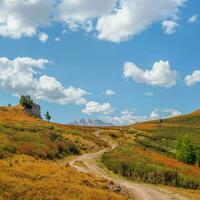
<point x="23" y="177"/>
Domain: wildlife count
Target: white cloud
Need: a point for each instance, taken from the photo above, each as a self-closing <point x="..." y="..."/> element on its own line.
<point x="193" y="78"/>
<point x="149" y="94"/>
<point x="112" y="20"/>
<point x="161" y="74"/>
<point x="76" y="13"/>
<point x="126" y="118"/>
<point x="109" y="92"/>
<point x="169" y="27"/>
<point x="93" y="107"/>
<point x="21" y="76"/>
<point x="172" y="112"/>
<point x="155" y="114"/>
<point x="193" y="19"/>
<point x="43" y="37"/>
<point x="132" y="17"/>
<point x="165" y="113"/>
<point x="23" y="17"/>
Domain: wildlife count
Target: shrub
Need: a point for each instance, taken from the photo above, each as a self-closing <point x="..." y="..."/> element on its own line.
<point x="33" y="150"/>
<point x="10" y="148"/>
<point x="185" y="151"/>
<point x="47" y="116"/>
<point x="26" y="101"/>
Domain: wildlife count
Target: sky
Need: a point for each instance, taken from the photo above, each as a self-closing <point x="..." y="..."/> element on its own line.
<point x="121" y="61"/>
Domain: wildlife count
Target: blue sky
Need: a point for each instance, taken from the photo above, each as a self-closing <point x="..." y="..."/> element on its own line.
<point x="93" y="60"/>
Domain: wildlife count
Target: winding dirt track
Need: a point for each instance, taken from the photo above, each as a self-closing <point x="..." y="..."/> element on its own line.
<point x="87" y="163"/>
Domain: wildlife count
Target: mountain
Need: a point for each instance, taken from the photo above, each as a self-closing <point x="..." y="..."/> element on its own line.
<point x="90" y="122"/>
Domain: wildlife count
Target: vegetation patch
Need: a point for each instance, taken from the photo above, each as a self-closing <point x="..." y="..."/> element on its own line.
<point x="138" y="164"/>
<point x="36" y="141"/>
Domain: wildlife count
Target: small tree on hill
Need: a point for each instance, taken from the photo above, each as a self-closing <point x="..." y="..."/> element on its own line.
<point x="26" y="101"/>
<point x="185" y="151"/>
<point x="47" y="116"/>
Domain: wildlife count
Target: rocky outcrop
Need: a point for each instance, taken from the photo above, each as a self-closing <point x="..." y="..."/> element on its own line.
<point x="35" y="110"/>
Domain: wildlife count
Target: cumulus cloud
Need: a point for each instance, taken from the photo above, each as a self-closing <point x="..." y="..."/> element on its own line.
<point x="165" y="113"/>
<point x="161" y="74"/>
<point x="169" y="27"/>
<point x="193" y="19"/>
<point x="22" y="76"/>
<point x="111" y="20"/>
<point x="81" y="12"/>
<point x="23" y="18"/>
<point x="155" y="114"/>
<point x="172" y="112"/>
<point x="193" y="78"/>
<point x="109" y="92"/>
<point x="43" y="37"/>
<point x="93" y="107"/>
<point x="132" y="17"/>
<point x="126" y="118"/>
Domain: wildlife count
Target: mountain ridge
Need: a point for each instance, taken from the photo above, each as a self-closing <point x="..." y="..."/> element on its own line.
<point x="90" y="122"/>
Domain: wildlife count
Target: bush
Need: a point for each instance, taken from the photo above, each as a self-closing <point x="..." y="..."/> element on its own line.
<point x="185" y="151"/>
<point x="72" y="149"/>
<point x="10" y="148"/>
<point x="26" y="101"/>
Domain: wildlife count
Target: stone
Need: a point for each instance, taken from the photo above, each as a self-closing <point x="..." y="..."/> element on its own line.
<point x="35" y="110"/>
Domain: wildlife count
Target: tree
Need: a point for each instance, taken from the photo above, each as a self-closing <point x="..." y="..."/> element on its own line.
<point x="26" y="101"/>
<point x="160" y="123"/>
<point x="185" y="151"/>
<point x="47" y="116"/>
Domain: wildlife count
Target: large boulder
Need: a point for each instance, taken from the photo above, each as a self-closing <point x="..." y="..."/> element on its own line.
<point x="35" y="110"/>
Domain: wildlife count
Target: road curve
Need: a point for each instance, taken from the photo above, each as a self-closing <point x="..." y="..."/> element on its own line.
<point x="87" y="163"/>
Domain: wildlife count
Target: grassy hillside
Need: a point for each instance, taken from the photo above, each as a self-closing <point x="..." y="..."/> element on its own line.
<point x="163" y="136"/>
<point x="147" y="152"/>
<point x="34" y="153"/>
<point x="33" y="157"/>
<point x="24" y="134"/>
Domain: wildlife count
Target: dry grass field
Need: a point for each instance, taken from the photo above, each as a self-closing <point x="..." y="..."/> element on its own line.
<point x="34" y="156"/>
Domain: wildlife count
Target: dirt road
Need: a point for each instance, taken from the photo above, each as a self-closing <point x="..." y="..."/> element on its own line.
<point x="87" y="163"/>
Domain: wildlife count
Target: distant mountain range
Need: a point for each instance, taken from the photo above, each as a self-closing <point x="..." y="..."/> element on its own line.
<point x="90" y="122"/>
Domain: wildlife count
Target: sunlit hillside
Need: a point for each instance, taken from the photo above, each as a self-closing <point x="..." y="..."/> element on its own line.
<point x="163" y="134"/>
<point x="34" y="156"/>
<point x="150" y="154"/>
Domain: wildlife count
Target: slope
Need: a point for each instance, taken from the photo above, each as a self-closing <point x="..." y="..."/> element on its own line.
<point x="34" y="155"/>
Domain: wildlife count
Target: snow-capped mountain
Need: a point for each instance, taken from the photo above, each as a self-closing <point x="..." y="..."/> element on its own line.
<point x="90" y="122"/>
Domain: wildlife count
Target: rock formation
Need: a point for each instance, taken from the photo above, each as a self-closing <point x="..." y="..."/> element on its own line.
<point x="35" y="110"/>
